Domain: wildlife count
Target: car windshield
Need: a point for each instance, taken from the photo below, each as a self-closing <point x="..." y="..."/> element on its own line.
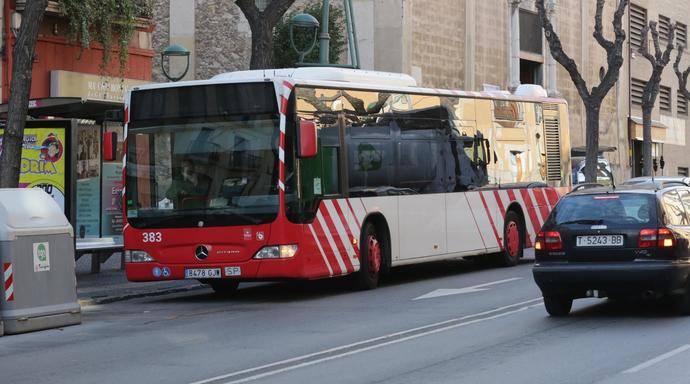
<point x="623" y="208"/>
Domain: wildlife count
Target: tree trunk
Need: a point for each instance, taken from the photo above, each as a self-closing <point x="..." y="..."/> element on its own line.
<point x="647" y="169"/>
<point x="592" y="109"/>
<point x="262" y="45"/>
<point x="20" y="86"/>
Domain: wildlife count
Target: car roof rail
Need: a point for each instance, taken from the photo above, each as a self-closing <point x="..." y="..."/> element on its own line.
<point x="582" y="186"/>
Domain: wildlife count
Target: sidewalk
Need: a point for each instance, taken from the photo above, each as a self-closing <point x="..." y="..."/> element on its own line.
<point x="111" y="284"/>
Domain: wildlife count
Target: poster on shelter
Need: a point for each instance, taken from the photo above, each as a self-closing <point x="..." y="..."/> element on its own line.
<point x="43" y="161"/>
<point x="111" y="221"/>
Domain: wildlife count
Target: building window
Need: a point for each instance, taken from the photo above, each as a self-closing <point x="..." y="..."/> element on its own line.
<point x="683" y="171"/>
<point x="681" y="34"/>
<point x="636" y="90"/>
<point x="530" y="32"/>
<point x="682" y="104"/>
<point x="531" y="48"/>
<point x="664" y="27"/>
<point x="638" y="20"/>
<point x="665" y="98"/>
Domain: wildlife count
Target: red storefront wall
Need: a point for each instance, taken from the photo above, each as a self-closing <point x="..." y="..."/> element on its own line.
<point x="56" y="52"/>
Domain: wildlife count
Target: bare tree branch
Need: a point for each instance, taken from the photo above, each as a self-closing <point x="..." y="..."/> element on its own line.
<point x="262" y="24"/>
<point x="591" y="99"/>
<point x="614" y="54"/>
<point x="682" y="76"/>
<point x="248" y="7"/>
<point x="644" y="47"/>
<point x="599" y="29"/>
<point x="20" y="86"/>
<point x="558" y="54"/>
<point x="276" y="10"/>
<point x="659" y="60"/>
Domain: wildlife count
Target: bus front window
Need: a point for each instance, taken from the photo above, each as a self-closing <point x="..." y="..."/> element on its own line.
<point x="215" y="170"/>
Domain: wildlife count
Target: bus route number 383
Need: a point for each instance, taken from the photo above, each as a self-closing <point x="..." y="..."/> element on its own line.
<point x="152" y="237"/>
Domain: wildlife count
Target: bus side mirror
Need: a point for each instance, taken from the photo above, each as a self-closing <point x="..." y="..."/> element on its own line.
<point x="109" y="146"/>
<point x="307" y="139"/>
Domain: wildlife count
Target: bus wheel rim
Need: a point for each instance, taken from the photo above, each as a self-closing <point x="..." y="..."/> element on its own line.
<point x="374" y="258"/>
<point x="513" y="237"/>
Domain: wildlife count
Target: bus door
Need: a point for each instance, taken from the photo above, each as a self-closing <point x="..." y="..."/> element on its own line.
<point x="469" y="151"/>
<point x="423" y="170"/>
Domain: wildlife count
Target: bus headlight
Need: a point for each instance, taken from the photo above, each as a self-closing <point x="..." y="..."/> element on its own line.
<point x="137" y="257"/>
<point x="277" y="252"/>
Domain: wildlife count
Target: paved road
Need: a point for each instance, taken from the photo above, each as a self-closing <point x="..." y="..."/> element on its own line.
<point x="447" y="322"/>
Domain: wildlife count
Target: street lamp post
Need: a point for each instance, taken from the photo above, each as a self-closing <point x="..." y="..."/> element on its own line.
<point x="308" y="24"/>
<point x="175" y="51"/>
<point x="307" y="21"/>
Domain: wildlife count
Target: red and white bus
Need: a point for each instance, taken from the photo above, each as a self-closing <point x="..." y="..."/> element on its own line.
<point x="312" y="173"/>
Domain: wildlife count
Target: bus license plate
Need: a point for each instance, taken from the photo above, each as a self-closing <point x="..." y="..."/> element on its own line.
<point x="202" y="273"/>
<point x="600" y="241"/>
<point x="233" y="271"/>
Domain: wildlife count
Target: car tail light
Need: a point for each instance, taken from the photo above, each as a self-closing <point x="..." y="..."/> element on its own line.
<point x="647" y="238"/>
<point x="662" y="238"/>
<point x="666" y="238"/>
<point x="548" y="241"/>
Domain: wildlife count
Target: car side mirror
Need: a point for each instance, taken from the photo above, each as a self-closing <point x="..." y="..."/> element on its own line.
<point x="307" y="139"/>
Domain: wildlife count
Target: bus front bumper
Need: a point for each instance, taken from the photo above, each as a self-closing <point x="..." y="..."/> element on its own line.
<point x="269" y="269"/>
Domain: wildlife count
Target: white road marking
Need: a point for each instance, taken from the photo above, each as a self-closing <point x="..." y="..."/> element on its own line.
<point x="380" y="341"/>
<point x="658" y="359"/>
<point x="458" y="291"/>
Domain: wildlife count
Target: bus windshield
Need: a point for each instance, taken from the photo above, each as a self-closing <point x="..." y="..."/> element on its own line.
<point x="197" y="168"/>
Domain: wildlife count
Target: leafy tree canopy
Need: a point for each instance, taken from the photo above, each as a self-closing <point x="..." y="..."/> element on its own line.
<point x="110" y="23"/>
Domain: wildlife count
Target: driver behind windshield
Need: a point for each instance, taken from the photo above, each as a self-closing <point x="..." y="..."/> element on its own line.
<point x="190" y="188"/>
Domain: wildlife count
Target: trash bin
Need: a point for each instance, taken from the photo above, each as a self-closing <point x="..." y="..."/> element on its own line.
<point x="37" y="259"/>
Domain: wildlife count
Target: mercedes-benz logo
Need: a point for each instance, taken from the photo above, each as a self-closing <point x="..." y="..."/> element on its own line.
<point x="201" y="252"/>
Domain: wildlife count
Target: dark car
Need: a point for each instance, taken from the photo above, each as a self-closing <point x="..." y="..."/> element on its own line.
<point x="659" y="181"/>
<point x="606" y="242"/>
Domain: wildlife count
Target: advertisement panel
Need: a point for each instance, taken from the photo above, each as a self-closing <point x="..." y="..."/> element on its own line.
<point x="43" y="163"/>
<point x="111" y="222"/>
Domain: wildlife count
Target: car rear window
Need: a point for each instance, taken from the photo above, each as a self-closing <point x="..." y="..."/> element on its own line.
<point x="623" y="208"/>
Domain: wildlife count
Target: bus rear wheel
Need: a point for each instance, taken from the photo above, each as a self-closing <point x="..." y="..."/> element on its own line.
<point x="224" y="287"/>
<point x="513" y="240"/>
<point x="370" y="259"/>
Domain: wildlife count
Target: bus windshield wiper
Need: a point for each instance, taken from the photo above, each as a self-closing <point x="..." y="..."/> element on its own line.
<point x="583" y="221"/>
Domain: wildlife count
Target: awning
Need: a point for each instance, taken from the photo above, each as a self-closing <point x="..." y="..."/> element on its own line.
<point x="68" y="107"/>
<point x="659" y="130"/>
<point x="582" y="151"/>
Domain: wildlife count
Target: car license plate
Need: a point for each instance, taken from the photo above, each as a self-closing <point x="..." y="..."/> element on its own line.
<point x="600" y="241"/>
<point x="202" y="273"/>
<point x="233" y="271"/>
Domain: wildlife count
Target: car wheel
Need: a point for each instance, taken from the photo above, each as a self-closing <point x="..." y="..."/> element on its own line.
<point x="370" y="259"/>
<point x="224" y="287"/>
<point x="558" y="306"/>
<point x="513" y="240"/>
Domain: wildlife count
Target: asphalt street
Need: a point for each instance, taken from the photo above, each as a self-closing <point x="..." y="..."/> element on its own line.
<point x="448" y="322"/>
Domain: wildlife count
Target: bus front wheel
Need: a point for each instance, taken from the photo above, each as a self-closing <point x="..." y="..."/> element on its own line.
<point x="370" y="258"/>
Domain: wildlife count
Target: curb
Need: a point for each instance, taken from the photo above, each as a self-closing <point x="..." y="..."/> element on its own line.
<point x="135" y="295"/>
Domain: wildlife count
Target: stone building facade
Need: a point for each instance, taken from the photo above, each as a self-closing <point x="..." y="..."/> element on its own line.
<point x="466" y="44"/>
